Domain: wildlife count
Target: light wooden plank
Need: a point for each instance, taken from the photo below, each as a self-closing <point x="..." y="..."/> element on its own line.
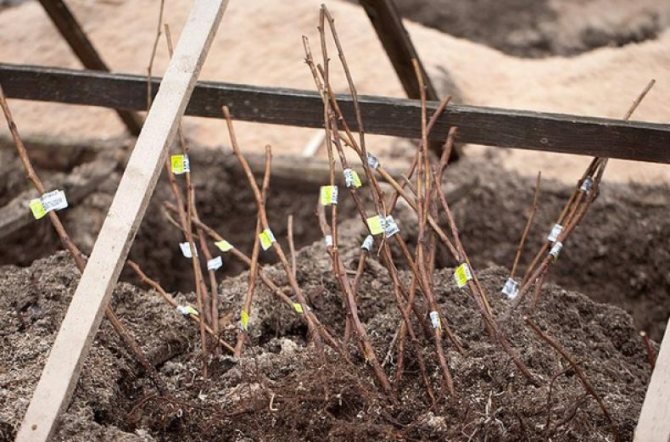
<point x="60" y="375"/>
<point x="654" y="423"/>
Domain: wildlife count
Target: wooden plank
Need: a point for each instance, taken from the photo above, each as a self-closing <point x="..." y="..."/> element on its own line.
<point x="76" y="38"/>
<point x="400" y="49"/>
<point x="387" y="116"/>
<point x="83" y="316"/>
<point x="654" y="422"/>
<point x="398" y="45"/>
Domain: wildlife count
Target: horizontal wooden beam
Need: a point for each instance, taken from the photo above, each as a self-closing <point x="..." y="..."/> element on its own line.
<point x="388" y="116"/>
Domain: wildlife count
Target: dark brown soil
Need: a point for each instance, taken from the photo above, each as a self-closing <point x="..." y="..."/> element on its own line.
<point x="619" y="255"/>
<point x="282" y="390"/>
<point x="226" y="206"/>
<point x="542" y="27"/>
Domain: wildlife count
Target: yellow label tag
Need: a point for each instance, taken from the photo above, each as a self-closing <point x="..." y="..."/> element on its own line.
<point x="179" y="164"/>
<point x="375" y="225"/>
<point x="224" y="245"/>
<point x="187" y="310"/>
<point x="244" y="319"/>
<point x="328" y="195"/>
<point x="351" y="178"/>
<point x="267" y="238"/>
<point x="462" y="275"/>
<point x="297" y="307"/>
<point x="37" y="208"/>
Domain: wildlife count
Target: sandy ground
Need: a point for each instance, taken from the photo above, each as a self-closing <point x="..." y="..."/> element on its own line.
<point x="259" y="43"/>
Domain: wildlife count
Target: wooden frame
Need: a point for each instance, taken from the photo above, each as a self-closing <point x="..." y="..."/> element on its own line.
<point x="76" y="38"/>
<point x="549" y="132"/>
<point x="654" y="422"/>
<point x="60" y="375"/>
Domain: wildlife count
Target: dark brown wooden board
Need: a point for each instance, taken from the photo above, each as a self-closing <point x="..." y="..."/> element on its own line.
<point x="388" y="116"/>
<point x="395" y="39"/>
<point x="76" y="38"/>
<point x="398" y="45"/>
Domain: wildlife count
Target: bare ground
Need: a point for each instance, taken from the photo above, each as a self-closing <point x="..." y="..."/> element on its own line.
<point x="282" y="390"/>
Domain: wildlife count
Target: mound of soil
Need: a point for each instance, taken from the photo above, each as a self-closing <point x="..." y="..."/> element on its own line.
<point x="282" y="389"/>
<point x="542" y="27"/>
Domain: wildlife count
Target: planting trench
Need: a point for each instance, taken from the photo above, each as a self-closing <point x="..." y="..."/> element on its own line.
<point x="619" y="254"/>
<point x="282" y="390"/>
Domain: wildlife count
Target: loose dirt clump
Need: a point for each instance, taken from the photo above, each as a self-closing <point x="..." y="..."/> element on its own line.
<point x="281" y="389"/>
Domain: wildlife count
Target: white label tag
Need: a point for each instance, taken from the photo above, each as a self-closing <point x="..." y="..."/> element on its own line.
<point x="215" y="263"/>
<point x="328" y="240"/>
<point x="54" y="200"/>
<point x="368" y="242"/>
<point x="555" y="231"/>
<point x="186" y="250"/>
<point x="373" y="162"/>
<point x="390" y="227"/>
<point x="586" y="184"/>
<point x="351" y="178"/>
<point x="435" y="319"/>
<point x="511" y="288"/>
<point x="187" y="310"/>
<point x="556" y="249"/>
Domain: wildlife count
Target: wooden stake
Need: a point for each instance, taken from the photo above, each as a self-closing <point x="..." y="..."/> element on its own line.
<point x="76" y="38"/>
<point x="654" y="423"/>
<point x="60" y="375"/>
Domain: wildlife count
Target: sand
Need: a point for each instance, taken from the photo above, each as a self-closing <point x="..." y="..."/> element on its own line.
<point x="259" y="43"/>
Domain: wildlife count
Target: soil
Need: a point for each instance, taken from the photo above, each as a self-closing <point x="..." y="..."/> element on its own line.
<point x="282" y="389"/>
<point x="226" y="207"/>
<point x="619" y="254"/>
<point x="543" y="27"/>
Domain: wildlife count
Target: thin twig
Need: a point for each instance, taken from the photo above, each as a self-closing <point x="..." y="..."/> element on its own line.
<point x="79" y="258"/>
<point x="253" y="268"/>
<point x="529" y="223"/>
<point x="314" y="332"/>
<point x="170" y="300"/>
<point x="291" y="245"/>
<point x="651" y="354"/>
<point x="582" y="377"/>
<point x="186" y="220"/>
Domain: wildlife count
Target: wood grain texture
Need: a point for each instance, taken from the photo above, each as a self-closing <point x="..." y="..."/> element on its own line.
<point x="388" y="116"/>
<point x="654" y="422"/>
<point x="83" y="48"/>
<point x="81" y="322"/>
<point x="398" y="45"/>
